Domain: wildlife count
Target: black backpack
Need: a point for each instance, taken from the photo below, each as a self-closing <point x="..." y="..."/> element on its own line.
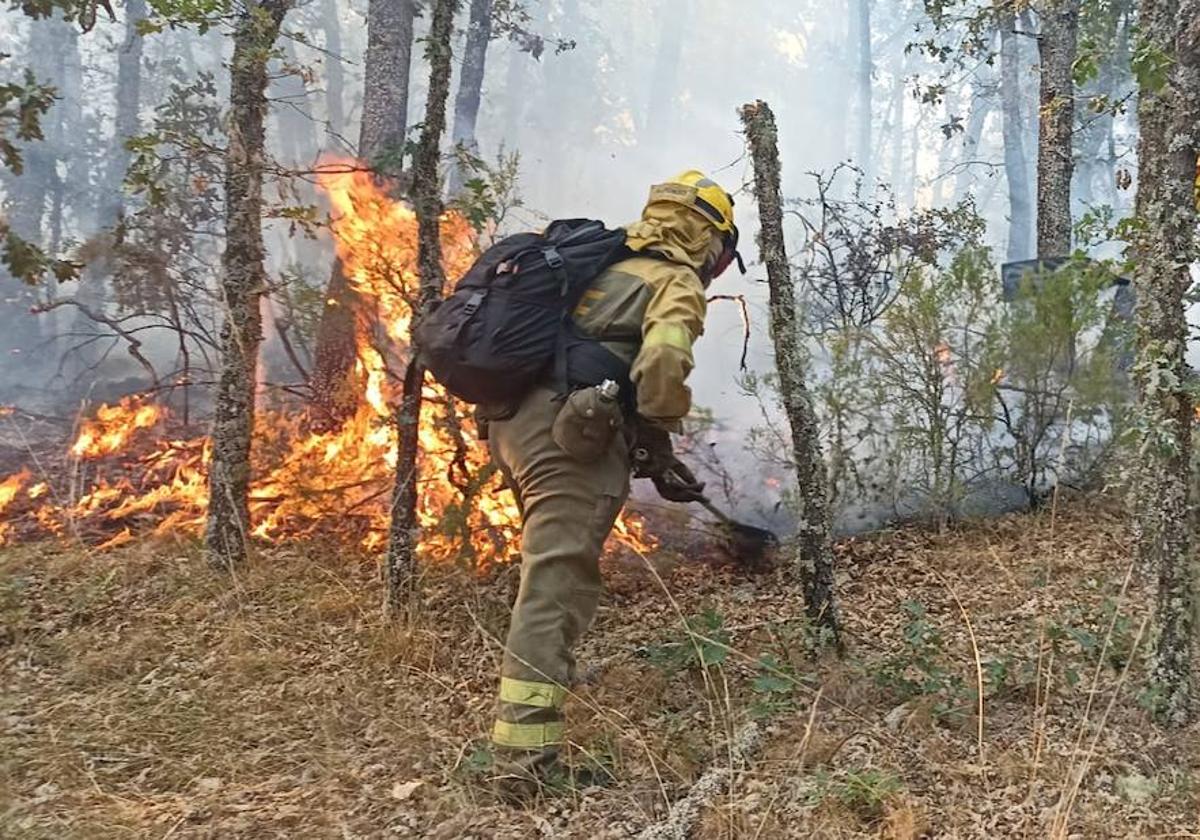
<point x="507" y="326"/>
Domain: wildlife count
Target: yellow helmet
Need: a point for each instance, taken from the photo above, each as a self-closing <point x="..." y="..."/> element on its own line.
<point x="696" y="190"/>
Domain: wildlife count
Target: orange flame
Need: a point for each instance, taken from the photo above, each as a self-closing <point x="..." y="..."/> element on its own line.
<point x="113" y="426"/>
<point x="11" y="486"/>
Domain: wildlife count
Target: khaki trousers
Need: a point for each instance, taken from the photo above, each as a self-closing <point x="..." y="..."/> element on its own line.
<point x="567" y="508"/>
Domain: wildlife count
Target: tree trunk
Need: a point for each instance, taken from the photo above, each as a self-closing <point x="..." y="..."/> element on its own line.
<point x="1016" y="165"/>
<point x="297" y="138"/>
<point x="1056" y="50"/>
<point x="470" y="87"/>
<point x="335" y="74"/>
<point x="862" y="85"/>
<point x="129" y="88"/>
<point x="385" y="81"/>
<point x="982" y="100"/>
<point x="1166" y="207"/>
<point x="243" y="282"/>
<point x="814" y="547"/>
<point x="381" y="142"/>
<point x="401" y="564"/>
<point x="899" y="95"/>
<point x="29" y="197"/>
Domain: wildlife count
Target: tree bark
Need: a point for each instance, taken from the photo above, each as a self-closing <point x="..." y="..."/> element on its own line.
<point x="1169" y="114"/>
<point x="814" y="542"/>
<point x="1016" y="166"/>
<point x="400" y="568"/>
<point x="862" y="85"/>
<point x="381" y="133"/>
<point x="470" y="87"/>
<point x="1057" y="47"/>
<point x="385" y="80"/>
<point x="243" y="281"/>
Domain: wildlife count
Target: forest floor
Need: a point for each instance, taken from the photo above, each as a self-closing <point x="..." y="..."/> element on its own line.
<point x="145" y="695"/>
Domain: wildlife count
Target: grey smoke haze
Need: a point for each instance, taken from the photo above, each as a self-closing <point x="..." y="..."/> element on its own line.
<point x="649" y="89"/>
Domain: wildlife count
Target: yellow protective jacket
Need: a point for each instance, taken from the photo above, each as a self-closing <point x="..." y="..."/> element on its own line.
<point x="650" y="310"/>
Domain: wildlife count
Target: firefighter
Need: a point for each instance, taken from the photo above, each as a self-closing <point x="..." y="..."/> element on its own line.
<point x="646" y="311"/>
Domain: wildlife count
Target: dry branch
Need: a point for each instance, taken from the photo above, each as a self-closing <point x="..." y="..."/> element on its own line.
<point x="712" y="783"/>
<point x="401" y="565"/>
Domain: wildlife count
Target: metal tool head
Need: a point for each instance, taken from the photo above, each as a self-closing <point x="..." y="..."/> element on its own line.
<point x="748" y="544"/>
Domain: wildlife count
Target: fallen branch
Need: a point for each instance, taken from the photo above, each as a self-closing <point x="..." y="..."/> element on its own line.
<point x="712" y="783"/>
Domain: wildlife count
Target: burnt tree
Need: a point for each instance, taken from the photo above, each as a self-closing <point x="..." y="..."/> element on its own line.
<point x="381" y="143"/>
<point x="1057" y="48"/>
<point x="1169" y="116"/>
<point x="243" y="282"/>
<point x="814" y="550"/>
<point x="400" y="567"/>
<point x="470" y="87"/>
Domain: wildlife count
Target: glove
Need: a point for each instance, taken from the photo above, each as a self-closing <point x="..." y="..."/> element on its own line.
<point x="678" y="483"/>
<point x="652" y="453"/>
<point x="654" y="459"/>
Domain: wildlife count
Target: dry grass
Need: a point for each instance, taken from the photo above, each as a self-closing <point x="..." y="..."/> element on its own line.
<point x="147" y="696"/>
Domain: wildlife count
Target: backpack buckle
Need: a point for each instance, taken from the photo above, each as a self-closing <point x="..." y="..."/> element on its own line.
<point x="473" y="304"/>
<point x="553" y="258"/>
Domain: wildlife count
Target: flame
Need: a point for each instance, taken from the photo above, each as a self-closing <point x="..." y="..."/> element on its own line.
<point x="10" y="487"/>
<point x="113" y="425"/>
<point x="307" y="483"/>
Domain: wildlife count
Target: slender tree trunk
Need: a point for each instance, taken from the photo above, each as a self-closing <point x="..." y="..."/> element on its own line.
<point x="814" y="547"/>
<point x="899" y="95"/>
<point x="243" y="281"/>
<point x="982" y="100"/>
<point x="381" y="142"/>
<point x="1016" y="164"/>
<point x="862" y="85"/>
<point x="401" y="564"/>
<point x="297" y="139"/>
<point x="470" y="87"/>
<point x="1166" y="207"/>
<point x="29" y="199"/>
<point x="129" y="102"/>
<point x="952" y="103"/>
<point x="335" y="74"/>
<point x="1057" y="45"/>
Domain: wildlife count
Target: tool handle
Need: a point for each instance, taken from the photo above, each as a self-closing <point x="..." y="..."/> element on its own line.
<point x="714" y="510"/>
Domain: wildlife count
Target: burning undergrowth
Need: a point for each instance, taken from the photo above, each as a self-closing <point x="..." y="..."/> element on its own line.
<point x="129" y="470"/>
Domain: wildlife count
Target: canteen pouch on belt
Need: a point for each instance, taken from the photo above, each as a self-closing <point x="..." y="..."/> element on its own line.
<point x="586" y="424"/>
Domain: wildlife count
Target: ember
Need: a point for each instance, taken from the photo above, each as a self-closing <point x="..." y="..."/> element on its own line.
<point x="307" y="483"/>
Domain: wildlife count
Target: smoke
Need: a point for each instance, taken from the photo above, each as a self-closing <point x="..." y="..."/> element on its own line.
<point x="649" y="89"/>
